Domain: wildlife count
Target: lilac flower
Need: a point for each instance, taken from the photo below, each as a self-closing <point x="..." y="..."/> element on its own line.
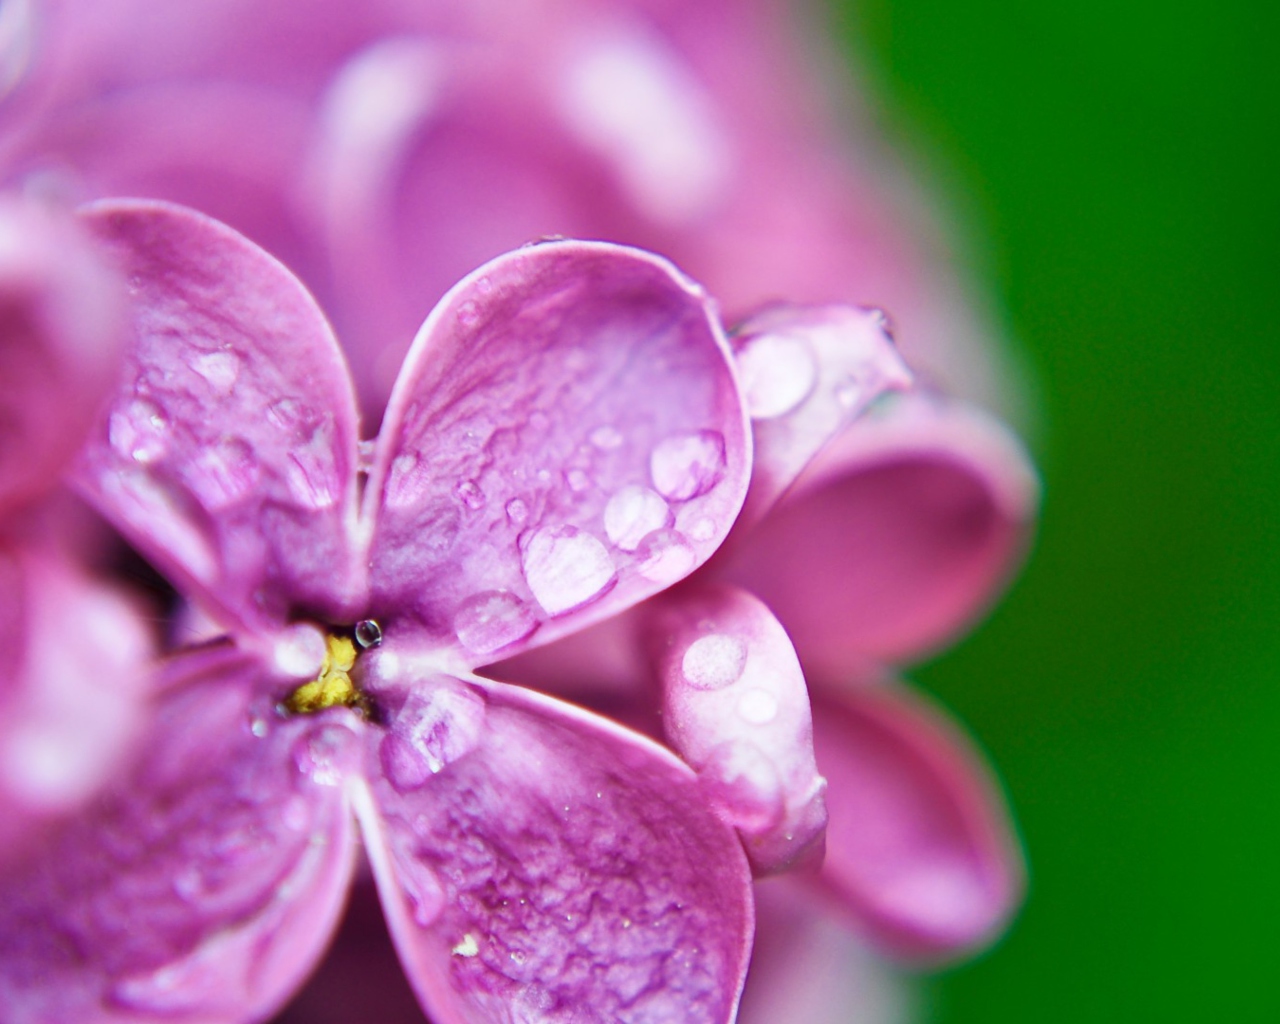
<point x="534" y="860"/>
<point x="70" y="700"/>
<point x="880" y="521"/>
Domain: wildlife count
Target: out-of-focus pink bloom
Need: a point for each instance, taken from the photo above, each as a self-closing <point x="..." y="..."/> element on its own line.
<point x="70" y="696"/>
<point x="384" y="149"/>
<point x="534" y="860"/>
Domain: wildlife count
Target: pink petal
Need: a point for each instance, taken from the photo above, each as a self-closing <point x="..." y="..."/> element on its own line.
<point x="901" y="534"/>
<point x="60" y="344"/>
<point x="566" y="439"/>
<point x="807" y="373"/>
<point x="735" y="707"/>
<point x="809" y="966"/>
<point x="556" y="867"/>
<point x="228" y="456"/>
<point x="206" y="881"/>
<point x="73" y="697"/>
<point x="919" y="842"/>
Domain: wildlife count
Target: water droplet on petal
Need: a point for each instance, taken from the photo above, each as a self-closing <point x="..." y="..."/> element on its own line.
<point x="439" y="723"/>
<point x="220" y="370"/>
<point x="259" y="727"/>
<point x="665" y="557"/>
<point x="758" y="707"/>
<point x="484" y="286"/>
<point x="715" y="661"/>
<point x="139" y="431"/>
<point x="491" y="620"/>
<point x="407" y="482"/>
<point x="468" y="313"/>
<point x="632" y="513"/>
<point x="324" y="755"/>
<point x="688" y="465"/>
<point x="566" y="568"/>
<point x="517" y="511"/>
<point x="777" y="372"/>
<point x="223" y="473"/>
<point x="470" y="494"/>
<point x="368" y="633"/>
<point x="606" y="438"/>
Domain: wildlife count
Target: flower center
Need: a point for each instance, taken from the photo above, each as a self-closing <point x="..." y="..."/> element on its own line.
<point x="334" y="687"/>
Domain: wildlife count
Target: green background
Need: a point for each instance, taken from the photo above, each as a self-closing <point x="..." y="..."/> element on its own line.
<point x="1117" y="164"/>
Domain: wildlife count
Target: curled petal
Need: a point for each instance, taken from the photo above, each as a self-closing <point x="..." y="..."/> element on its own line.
<point x="61" y="340"/>
<point x="205" y="882"/>
<point x="900" y="535"/>
<point x="736" y="708"/>
<point x="73" y="699"/>
<point x="807" y="373"/>
<point x="228" y="455"/>
<point x="919" y="842"/>
<point x="565" y="439"/>
<point x="555" y="867"/>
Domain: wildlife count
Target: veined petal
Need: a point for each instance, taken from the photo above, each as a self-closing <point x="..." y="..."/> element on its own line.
<point x="205" y="882"/>
<point x="565" y="439"/>
<point x="73" y="699"/>
<point x="807" y="372"/>
<point x="61" y="339"/>
<point x="557" y="867"/>
<point x="902" y="533"/>
<point x="919" y="842"/>
<point x="228" y="455"/>
<point x="736" y="708"/>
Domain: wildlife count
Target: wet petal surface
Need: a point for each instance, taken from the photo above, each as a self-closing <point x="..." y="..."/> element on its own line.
<point x="565" y="439"/>
<point x="228" y="455"/>
<point x="204" y="885"/>
<point x="919" y="842"/>
<point x="905" y="529"/>
<point x="556" y="868"/>
<point x="736" y="708"/>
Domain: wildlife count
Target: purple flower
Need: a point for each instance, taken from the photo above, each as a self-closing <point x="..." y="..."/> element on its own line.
<point x="70" y="695"/>
<point x="534" y="860"/>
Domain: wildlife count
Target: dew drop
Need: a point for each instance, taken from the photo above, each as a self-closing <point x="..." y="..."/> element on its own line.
<point x="139" y="431"/>
<point x="778" y="372"/>
<point x="715" y="661"/>
<point x="632" y="513"/>
<point x="220" y="370"/>
<point x="491" y="620"/>
<point x="758" y="707"/>
<point x="566" y="568"/>
<point x="665" y="556"/>
<point x="468" y="313"/>
<point x="368" y="633"/>
<point x="322" y="755"/>
<point x="439" y="723"/>
<point x="606" y="438"/>
<point x="407" y="482"/>
<point x="470" y="494"/>
<point x="259" y="727"/>
<point x="687" y="465"/>
<point x="517" y="511"/>
<point x="484" y="286"/>
<point x="223" y="474"/>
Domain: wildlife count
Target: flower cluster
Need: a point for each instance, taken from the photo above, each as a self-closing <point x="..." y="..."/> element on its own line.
<point x="575" y="611"/>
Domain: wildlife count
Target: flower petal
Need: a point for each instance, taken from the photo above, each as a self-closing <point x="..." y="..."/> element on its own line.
<point x="566" y="438"/>
<point x="900" y="535"/>
<point x="61" y="340"/>
<point x="560" y="868"/>
<point x="72" y="701"/>
<point x="229" y="453"/>
<point x="807" y="372"/>
<point x="919" y="842"/>
<point x="736" y="708"/>
<point x="206" y="881"/>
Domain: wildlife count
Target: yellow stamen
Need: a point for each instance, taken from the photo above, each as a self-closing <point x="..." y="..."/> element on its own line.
<point x="333" y="687"/>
